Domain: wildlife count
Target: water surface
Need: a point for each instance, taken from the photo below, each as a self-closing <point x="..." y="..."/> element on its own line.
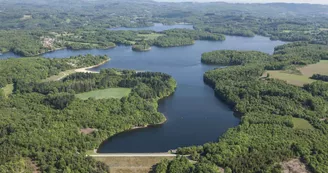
<point x="8" y="55"/>
<point x="194" y="115"/>
<point x="158" y="27"/>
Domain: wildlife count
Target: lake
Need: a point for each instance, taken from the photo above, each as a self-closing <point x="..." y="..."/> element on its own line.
<point x="158" y="27"/>
<point x="194" y="115"/>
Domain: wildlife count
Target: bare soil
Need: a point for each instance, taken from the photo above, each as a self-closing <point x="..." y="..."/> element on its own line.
<point x="33" y="166"/>
<point x="87" y="131"/>
<point x="294" y="166"/>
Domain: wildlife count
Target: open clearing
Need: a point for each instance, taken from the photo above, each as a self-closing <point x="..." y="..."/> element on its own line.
<point x="151" y="36"/>
<point x="294" y="79"/>
<point x="105" y="93"/>
<point x="306" y="73"/>
<point x="63" y="74"/>
<point x="294" y="166"/>
<point x="131" y="164"/>
<point x="8" y="89"/>
<point x="26" y="17"/>
<point x="300" y="123"/>
<point x="87" y="131"/>
<point x="319" y="68"/>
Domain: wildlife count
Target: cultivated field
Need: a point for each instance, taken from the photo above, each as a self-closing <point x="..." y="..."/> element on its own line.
<point x="105" y="93"/>
<point x="304" y="77"/>
<point x="131" y="164"/>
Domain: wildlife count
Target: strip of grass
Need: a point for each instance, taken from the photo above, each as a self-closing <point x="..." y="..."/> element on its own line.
<point x="300" y="123"/>
<point x="105" y="93"/>
<point x="151" y="36"/>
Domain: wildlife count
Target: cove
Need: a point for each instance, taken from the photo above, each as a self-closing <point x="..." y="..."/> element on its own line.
<point x="195" y="116"/>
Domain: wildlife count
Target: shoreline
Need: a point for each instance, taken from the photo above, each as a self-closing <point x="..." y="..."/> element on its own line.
<point x="87" y="69"/>
<point x="79" y="70"/>
<point x="139" y="127"/>
<point x="141" y="50"/>
<point x="129" y="130"/>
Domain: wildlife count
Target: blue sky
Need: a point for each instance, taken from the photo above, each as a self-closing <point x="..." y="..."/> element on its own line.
<point x="255" y="1"/>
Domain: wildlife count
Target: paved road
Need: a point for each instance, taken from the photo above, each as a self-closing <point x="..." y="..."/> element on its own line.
<point x="134" y="155"/>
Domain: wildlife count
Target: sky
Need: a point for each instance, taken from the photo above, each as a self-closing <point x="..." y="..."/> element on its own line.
<point x="254" y="1"/>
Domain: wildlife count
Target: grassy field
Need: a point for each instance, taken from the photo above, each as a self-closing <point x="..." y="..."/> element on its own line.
<point x="8" y="89"/>
<point x="105" y="93"/>
<point x="304" y="77"/>
<point x="131" y="164"/>
<point x="151" y="36"/>
<point x="294" y="79"/>
<point x="319" y="68"/>
<point x="300" y="123"/>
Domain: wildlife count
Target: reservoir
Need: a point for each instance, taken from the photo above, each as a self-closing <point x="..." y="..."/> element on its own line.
<point x="194" y="115"/>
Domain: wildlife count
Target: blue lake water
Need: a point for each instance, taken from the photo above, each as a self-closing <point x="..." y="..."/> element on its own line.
<point x="195" y="116"/>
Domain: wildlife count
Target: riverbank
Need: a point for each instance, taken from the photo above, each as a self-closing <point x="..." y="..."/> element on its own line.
<point x="64" y="74"/>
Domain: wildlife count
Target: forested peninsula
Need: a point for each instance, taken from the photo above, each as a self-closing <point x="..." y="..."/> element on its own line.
<point x="45" y="123"/>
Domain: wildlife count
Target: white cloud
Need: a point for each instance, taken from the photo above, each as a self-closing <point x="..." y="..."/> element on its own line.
<point x="254" y="1"/>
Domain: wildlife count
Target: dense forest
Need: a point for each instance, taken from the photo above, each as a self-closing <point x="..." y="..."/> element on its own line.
<point x="38" y="42"/>
<point x="269" y="133"/>
<point x="141" y="47"/>
<point x="287" y="56"/>
<point x="28" y="30"/>
<point x="228" y="57"/>
<point x="320" y="77"/>
<point x="41" y="122"/>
